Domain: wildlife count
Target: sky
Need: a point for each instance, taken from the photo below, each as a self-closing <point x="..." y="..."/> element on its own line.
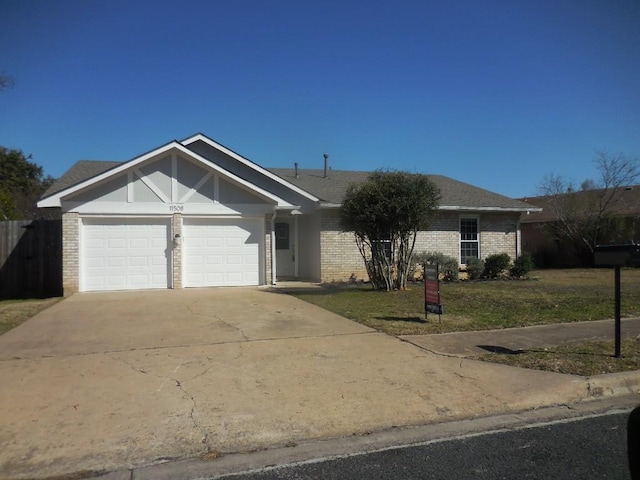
<point x="496" y="93"/>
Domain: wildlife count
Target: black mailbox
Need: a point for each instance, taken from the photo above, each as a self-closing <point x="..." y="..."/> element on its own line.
<point x="622" y="255"/>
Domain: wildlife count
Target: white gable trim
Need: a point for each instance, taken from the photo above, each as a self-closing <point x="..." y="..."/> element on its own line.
<point x="248" y="163"/>
<point x="55" y="200"/>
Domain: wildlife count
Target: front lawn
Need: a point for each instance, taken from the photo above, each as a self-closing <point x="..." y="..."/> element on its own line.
<point x="547" y="296"/>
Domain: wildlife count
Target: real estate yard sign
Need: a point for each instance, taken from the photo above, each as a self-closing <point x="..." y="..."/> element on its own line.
<point x="432" y="290"/>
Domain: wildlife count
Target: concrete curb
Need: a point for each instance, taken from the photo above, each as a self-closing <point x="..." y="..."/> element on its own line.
<point x="195" y="468"/>
<point x="614" y="384"/>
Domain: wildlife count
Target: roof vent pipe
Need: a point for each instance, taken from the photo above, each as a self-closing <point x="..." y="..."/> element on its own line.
<point x="326" y="163"/>
<point x="295" y="169"/>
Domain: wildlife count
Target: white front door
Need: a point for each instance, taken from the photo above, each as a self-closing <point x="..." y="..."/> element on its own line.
<point x="285" y="248"/>
<point x="222" y="252"/>
<point x="124" y="254"/>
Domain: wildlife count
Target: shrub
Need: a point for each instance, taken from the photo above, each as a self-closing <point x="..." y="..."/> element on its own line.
<point x="475" y="267"/>
<point x="522" y="265"/>
<point x="447" y="266"/>
<point x="495" y="264"/>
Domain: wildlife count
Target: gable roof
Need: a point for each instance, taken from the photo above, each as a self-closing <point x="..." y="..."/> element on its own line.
<point x="328" y="191"/>
<point x="79" y="172"/>
<point x="54" y="199"/>
<point x="245" y="161"/>
<point x="625" y="201"/>
<point x="455" y="195"/>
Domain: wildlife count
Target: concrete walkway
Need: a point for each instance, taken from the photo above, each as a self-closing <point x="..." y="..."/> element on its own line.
<point x="472" y="344"/>
<point x="116" y="381"/>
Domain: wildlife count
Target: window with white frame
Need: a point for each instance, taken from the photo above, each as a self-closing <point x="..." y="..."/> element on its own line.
<point x="469" y="239"/>
<point x="383" y="245"/>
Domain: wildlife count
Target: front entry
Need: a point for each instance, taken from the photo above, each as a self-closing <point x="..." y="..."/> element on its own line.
<point x="285" y="248"/>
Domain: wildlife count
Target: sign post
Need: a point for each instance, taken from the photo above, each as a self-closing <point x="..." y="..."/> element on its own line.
<point x="432" y="291"/>
<point x="617" y="256"/>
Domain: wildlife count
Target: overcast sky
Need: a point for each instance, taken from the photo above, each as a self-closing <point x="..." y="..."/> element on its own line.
<point x="496" y="93"/>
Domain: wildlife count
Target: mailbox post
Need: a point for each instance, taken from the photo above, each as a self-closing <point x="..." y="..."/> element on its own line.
<point x="617" y="256"/>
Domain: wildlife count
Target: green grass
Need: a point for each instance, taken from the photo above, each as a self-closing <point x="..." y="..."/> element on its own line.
<point x="547" y="296"/>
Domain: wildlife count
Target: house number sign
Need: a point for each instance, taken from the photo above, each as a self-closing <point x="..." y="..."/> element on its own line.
<point x="176" y="208"/>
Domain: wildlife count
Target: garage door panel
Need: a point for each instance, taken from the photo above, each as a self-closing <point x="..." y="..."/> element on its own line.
<point x="115" y="262"/>
<point x="140" y="262"/>
<point x="222" y="252"/>
<point x="124" y="254"/>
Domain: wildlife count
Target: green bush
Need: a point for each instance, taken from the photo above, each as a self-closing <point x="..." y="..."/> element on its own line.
<point x="495" y="264"/>
<point x="475" y="267"/>
<point x="447" y="266"/>
<point x="522" y="265"/>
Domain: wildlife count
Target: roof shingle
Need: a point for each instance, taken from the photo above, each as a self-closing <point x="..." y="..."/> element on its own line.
<point x="453" y="192"/>
<point x="330" y="189"/>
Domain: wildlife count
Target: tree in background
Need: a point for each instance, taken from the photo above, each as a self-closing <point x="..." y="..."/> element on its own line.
<point x="385" y="213"/>
<point x="22" y="182"/>
<point x="594" y="213"/>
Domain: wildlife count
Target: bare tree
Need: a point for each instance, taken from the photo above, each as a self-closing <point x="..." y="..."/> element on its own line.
<point x="595" y="212"/>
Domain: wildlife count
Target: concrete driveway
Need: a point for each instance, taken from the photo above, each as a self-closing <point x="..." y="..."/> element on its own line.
<point x="109" y="381"/>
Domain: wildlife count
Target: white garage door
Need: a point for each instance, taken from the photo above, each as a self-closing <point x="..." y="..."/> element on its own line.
<point x="222" y="252"/>
<point x="124" y="254"/>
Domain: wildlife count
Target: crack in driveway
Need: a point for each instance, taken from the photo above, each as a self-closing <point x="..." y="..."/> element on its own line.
<point x="180" y="385"/>
<point x="217" y="319"/>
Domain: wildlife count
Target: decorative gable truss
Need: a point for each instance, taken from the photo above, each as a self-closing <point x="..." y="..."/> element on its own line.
<point x="170" y="179"/>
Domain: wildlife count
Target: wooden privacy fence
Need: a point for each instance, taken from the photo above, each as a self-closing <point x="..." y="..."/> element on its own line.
<point x="30" y="258"/>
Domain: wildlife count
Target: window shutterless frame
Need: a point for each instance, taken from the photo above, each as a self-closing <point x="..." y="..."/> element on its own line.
<point x="469" y="238"/>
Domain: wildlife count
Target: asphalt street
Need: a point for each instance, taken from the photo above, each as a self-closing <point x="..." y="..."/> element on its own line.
<point x="587" y="447"/>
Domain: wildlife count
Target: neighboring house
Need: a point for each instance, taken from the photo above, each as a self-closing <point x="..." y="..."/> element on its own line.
<point x="196" y="214"/>
<point x="550" y="250"/>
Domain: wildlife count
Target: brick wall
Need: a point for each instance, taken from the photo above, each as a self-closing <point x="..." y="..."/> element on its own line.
<point x="442" y="236"/>
<point x="339" y="254"/>
<point x="269" y="280"/>
<point x="176" y="229"/>
<point x="70" y="253"/>
<point x="498" y="234"/>
<point x="341" y="259"/>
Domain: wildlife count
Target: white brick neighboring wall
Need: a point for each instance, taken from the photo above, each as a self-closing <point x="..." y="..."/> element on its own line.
<point x="70" y="253"/>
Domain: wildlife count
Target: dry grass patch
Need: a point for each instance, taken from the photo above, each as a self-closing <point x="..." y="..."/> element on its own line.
<point x="585" y="359"/>
<point x="15" y="312"/>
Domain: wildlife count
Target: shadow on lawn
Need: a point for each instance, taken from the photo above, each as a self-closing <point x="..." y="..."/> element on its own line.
<point x="507" y="351"/>
<point x="500" y="350"/>
<point x="403" y="319"/>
